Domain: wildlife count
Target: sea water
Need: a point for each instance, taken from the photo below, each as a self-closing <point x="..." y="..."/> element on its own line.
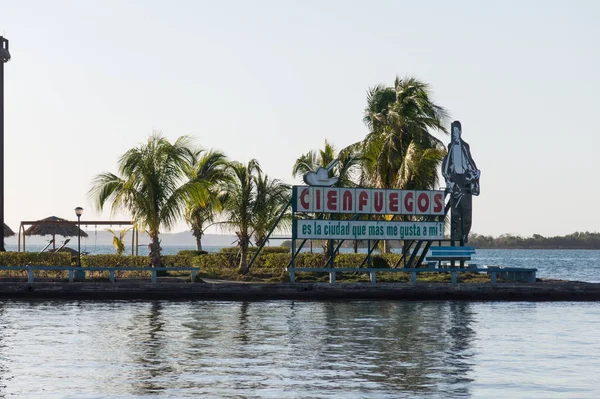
<point x="299" y="349"/>
<point x="310" y="349"/>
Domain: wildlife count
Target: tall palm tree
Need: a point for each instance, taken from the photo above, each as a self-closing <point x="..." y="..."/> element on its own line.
<point x="239" y="207"/>
<point x="151" y="186"/>
<point x="272" y="196"/>
<point x="212" y="169"/>
<point x="253" y="205"/>
<point x="400" y="148"/>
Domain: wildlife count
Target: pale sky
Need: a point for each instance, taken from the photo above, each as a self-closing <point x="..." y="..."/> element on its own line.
<point x="273" y="79"/>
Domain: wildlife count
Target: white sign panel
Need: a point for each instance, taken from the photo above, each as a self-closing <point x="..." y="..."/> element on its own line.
<point x="368" y="201"/>
<point x="368" y="230"/>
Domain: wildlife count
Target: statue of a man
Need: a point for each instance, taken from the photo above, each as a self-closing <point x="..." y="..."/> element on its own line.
<point x="462" y="181"/>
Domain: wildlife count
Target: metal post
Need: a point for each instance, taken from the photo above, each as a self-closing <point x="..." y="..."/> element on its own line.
<point x="293" y="247"/>
<point x="79" y="240"/>
<point x="132" y="240"/>
<point x="4" y="57"/>
<point x="79" y="274"/>
<point x="2" y="143"/>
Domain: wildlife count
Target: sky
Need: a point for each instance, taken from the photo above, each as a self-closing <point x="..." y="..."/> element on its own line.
<point x="271" y="80"/>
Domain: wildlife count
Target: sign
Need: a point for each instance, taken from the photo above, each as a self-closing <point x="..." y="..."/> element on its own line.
<point x="368" y="201"/>
<point x="368" y="230"/>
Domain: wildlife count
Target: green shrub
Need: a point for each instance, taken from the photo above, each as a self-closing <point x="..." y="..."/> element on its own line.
<point x="113" y="260"/>
<point x="279" y="261"/>
<point x="191" y="253"/>
<point x="177" y="260"/>
<point x="275" y="250"/>
<point x="274" y="261"/>
<point x="232" y="250"/>
<point x="218" y="260"/>
<point x="35" y="259"/>
<point x="252" y="250"/>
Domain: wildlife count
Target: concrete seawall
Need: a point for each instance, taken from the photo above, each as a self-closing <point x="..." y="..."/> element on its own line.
<point x="541" y="291"/>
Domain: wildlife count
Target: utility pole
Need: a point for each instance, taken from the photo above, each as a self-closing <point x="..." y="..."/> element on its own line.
<point x="4" y="58"/>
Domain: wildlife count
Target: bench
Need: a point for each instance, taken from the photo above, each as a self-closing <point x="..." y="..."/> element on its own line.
<point x="80" y="271"/>
<point x="528" y="275"/>
<point x="450" y="253"/>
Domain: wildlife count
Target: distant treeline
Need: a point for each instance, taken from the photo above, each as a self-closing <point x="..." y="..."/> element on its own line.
<point x="577" y="240"/>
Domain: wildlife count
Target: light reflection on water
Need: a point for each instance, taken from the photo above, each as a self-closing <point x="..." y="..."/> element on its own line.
<point x="292" y="349"/>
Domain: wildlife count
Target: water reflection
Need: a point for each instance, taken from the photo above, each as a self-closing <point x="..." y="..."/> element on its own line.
<point x="421" y="348"/>
<point x="298" y="349"/>
<point x="311" y="347"/>
<point x="150" y="352"/>
<point x="3" y="351"/>
<point x="241" y="349"/>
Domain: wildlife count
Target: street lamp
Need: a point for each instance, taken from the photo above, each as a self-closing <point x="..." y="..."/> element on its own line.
<point x="79" y="212"/>
<point x="4" y="58"/>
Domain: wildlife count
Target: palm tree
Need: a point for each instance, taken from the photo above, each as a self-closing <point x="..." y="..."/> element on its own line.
<point x="149" y="186"/>
<point x="400" y="151"/>
<point x="253" y="205"/>
<point x="212" y="169"/>
<point x="239" y="207"/>
<point x="349" y="160"/>
<point x="119" y="240"/>
<point x="348" y="163"/>
<point x="272" y="196"/>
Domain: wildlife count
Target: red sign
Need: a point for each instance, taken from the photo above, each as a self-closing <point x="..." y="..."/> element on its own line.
<point x="368" y="201"/>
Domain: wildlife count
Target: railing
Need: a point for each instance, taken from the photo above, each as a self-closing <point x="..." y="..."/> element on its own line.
<point x="80" y="271"/>
<point x="514" y="273"/>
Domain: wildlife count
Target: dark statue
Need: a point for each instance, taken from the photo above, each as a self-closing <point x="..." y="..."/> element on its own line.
<point x="462" y="182"/>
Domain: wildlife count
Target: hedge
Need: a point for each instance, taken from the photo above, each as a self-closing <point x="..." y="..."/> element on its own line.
<point x="252" y="250"/>
<point x="113" y="260"/>
<point x="135" y="261"/>
<point x="273" y="260"/>
<point x="35" y="259"/>
<point x="191" y="252"/>
<point x="280" y="261"/>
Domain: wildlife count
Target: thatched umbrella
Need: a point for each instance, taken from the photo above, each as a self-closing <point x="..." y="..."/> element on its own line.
<point x="55" y="226"/>
<point x="8" y="231"/>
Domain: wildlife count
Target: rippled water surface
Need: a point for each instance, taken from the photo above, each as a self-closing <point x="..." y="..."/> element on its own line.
<point x="291" y="349"/>
<point x="580" y="265"/>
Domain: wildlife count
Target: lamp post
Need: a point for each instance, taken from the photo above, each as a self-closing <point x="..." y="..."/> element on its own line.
<point x="79" y="212"/>
<point x="4" y="58"/>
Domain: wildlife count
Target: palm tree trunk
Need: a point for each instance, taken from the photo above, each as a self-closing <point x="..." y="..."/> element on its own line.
<point x="244" y="254"/>
<point x="155" y="251"/>
<point x="328" y="247"/>
<point x="198" y="234"/>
